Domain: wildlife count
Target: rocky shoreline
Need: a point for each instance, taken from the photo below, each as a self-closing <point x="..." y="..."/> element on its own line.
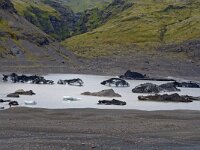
<point x="112" y="66"/>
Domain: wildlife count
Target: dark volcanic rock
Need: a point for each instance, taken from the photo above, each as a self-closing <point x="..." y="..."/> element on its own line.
<point x="168" y="98"/>
<point x="13" y="103"/>
<point x="129" y="75"/>
<point x="4" y="101"/>
<point x="111" y="102"/>
<point x="116" y="82"/>
<point x="32" y="79"/>
<point x="22" y="92"/>
<point x="103" y="93"/>
<point x="13" y="95"/>
<point x="147" y="88"/>
<point x="169" y="87"/>
<point x="132" y="75"/>
<point x="5" y="77"/>
<point x="75" y="82"/>
<point x="187" y="84"/>
<point x="153" y="88"/>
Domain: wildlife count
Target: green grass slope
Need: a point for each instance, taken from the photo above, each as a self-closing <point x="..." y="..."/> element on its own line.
<point x="23" y="45"/>
<point x="41" y="15"/>
<point x="58" y="18"/>
<point x="22" y="5"/>
<point x="146" y="25"/>
<point x="82" y="5"/>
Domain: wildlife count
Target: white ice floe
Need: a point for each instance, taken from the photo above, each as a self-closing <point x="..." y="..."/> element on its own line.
<point x="70" y="98"/>
<point x="30" y="102"/>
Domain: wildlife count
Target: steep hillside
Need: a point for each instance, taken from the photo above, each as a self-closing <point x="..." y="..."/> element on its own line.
<point x="56" y="22"/>
<point x="22" y="45"/>
<point x="58" y="19"/>
<point x="145" y="28"/>
<point x="82" y="5"/>
<point x="151" y="36"/>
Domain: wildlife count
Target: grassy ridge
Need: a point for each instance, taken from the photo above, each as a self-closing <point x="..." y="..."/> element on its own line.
<point x="22" y="5"/>
<point x="147" y="23"/>
<point x="41" y="15"/>
<point x="82" y="5"/>
<point x="58" y="19"/>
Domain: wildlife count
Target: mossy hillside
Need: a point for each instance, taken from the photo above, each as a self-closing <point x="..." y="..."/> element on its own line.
<point x="56" y="19"/>
<point x="82" y="5"/>
<point x="22" y="5"/>
<point x="7" y="32"/>
<point x="59" y="20"/>
<point x="15" y="33"/>
<point x="147" y="25"/>
<point x="94" y="18"/>
<point x="41" y="15"/>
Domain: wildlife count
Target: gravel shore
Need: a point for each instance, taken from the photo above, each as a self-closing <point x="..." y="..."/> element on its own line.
<point x="77" y="129"/>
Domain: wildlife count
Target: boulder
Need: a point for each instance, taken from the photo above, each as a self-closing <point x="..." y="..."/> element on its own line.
<point x="13" y="103"/>
<point x="168" y="98"/>
<point x="169" y="87"/>
<point x="75" y="82"/>
<point x="61" y="82"/>
<point x="23" y="79"/>
<point x="189" y="84"/>
<point x="147" y="88"/>
<point x="22" y="92"/>
<point x="13" y="95"/>
<point x="5" y="77"/>
<point x="132" y="75"/>
<point x="115" y="82"/>
<point x="103" y="93"/>
<point x="111" y="102"/>
<point x="153" y="88"/>
<point x="4" y="101"/>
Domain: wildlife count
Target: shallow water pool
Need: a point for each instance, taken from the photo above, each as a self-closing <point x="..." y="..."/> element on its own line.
<point x="51" y="96"/>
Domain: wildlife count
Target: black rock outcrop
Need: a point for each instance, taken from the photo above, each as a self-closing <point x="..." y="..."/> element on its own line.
<point x="153" y="88"/>
<point x="168" y="98"/>
<point x="103" y="93"/>
<point x="111" y="102"/>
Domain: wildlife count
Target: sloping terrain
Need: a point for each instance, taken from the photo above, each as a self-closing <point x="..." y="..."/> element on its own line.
<point x="58" y="18"/>
<point x="82" y="5"/>
<point x="23" y="45"/>
<point x="145" y="26"/>
<point x="57" y="22"/>
<point x="150" y="36"/>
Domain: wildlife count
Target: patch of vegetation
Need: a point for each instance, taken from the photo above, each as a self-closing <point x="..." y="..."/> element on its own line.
<point x="82" y="5"/>
<point x="145" y="25"/>
<point x="22" y="5"/>
<point x="58" y="19"/>
<point x="6" y="30"/>
<point x="43" y="16"/>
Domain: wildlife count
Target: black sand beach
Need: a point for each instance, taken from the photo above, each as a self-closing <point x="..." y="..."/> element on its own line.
<point x="25" y="128"/>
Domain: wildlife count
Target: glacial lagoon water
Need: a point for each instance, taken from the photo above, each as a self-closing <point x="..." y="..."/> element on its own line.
<point x="51" y="96"/>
